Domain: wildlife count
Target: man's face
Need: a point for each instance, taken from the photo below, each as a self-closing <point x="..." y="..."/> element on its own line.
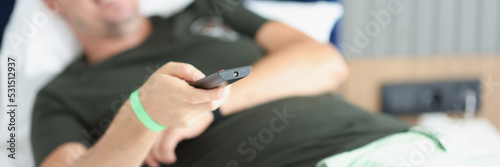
<point x="100" y="17"/>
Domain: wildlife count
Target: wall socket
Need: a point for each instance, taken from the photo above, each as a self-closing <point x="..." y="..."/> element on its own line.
<point x="442" y="96"/>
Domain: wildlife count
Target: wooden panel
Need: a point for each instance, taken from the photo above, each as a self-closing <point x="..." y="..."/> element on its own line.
<point x="468" y="26"/>
<point x="427" y="27"/>
<point x="403" y="30"/>
<point x="489" y="26"/>
<point x="380" y="41"/>
<point x="368" y="75"/>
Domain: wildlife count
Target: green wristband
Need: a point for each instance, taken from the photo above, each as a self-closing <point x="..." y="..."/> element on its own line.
<point x="141" y="113"/>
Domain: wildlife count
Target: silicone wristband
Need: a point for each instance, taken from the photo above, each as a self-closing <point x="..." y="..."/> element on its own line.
<point x="141" y="113"/>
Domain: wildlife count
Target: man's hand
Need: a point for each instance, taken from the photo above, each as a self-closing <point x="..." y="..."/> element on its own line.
<point x="171" y="101"/>
<point x="163" y="151"/>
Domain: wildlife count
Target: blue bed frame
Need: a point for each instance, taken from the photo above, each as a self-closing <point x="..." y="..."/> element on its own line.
<point x="6" y="7"/>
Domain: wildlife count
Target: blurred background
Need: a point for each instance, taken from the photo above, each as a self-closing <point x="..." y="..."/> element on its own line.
<point x="422" y="59"/>
<point x="433" y="63"/>
<point x="425" y="27"/>
<point x="421" y="41"/>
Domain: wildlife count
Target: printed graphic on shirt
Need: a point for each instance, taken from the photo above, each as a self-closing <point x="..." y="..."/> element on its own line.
<point x="214" y="27"/>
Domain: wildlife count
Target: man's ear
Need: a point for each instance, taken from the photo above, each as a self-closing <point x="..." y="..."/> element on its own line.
<point x="54" y="5"/>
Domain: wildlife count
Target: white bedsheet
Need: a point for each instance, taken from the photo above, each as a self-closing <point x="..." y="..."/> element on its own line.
<point x="470" y="136"/>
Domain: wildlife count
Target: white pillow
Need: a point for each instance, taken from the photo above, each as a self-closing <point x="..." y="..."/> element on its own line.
<point x="43" y="45"/>
<point x="315" y="19"/>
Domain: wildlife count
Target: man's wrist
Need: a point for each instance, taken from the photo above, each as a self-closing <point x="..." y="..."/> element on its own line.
<point x="141" y="113"/>
<point x="128" y="121"/>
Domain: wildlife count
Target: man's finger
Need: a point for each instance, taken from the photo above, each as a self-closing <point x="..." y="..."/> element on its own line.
<point x="166" y="152"/>
<point x="151" y="162"/>
<point x="182" y="70"/>
<point x="195" y="96"/>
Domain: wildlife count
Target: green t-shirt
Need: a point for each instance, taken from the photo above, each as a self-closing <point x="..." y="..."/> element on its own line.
<point x="80" y="103"/>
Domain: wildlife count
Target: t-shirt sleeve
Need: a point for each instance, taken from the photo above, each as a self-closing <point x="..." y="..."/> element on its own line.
<point x="52" y="126"/>
<point x="234" y="14"/>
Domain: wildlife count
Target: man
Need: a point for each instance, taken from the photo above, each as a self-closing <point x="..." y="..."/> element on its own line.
<point x="277" y="116"/>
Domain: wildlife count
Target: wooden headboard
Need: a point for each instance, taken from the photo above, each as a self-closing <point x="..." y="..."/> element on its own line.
<point x="367" y="75"/>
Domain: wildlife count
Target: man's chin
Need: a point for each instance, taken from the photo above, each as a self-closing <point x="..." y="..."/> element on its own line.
<point x="119" y="18"/>
<point x="122" y="25"/>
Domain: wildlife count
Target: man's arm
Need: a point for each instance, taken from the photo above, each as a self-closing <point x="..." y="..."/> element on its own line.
<point x="296" y="65"/>
<point x="125" y="143"/>
<point x="166" y="97"/>
<point x="126" y="138"/>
